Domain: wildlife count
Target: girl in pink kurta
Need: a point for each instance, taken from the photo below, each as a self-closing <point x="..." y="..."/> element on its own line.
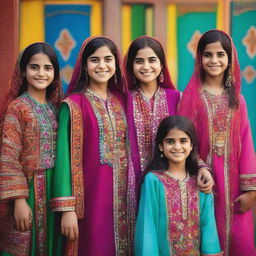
<point x="214" y="103"/>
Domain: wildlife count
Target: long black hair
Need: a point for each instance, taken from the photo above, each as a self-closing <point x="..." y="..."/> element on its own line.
<point x="213" y="36"/>
<point x="182" y="123"/>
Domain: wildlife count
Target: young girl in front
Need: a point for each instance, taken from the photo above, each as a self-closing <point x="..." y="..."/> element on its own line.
<point x="174" y="217"/>
<point x="212" y="100"/>
<point x="151" y="97"/>
<point x="28" y="138"/>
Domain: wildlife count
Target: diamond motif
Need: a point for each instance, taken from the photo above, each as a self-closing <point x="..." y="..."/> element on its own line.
<point x="66" y="73"/>
<point x="250" y="42"/>
<point x="249" y="74"/>
<point x="192" y="44"/>
<point x="65" y="43"/>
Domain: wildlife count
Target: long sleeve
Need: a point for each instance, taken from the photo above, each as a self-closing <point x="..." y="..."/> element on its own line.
<point x="151" y="226"/>
<point x="247" y="161"/>
<point x="209" y="237"/>
<point x="62" y="190"/>
<point x="13" y="182"/>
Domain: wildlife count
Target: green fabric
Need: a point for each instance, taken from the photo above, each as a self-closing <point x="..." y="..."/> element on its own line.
<point x="62" y="171"/>
<point x="151" y="235"/>
<point x="54" y="238"/>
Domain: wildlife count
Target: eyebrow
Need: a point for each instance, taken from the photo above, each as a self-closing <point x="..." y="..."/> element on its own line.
<point x="108" y="56"/>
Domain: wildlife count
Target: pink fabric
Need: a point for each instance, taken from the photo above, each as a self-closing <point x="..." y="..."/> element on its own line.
<point x="240" y="160"/>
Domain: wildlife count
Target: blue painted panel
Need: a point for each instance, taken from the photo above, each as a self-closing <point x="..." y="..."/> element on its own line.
<point x="66" y="27"/>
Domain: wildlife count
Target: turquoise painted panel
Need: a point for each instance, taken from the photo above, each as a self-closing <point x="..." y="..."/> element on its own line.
<point x="187" y="26"/>
<point x="66" y="27"/>
<point x="243" y="31"/>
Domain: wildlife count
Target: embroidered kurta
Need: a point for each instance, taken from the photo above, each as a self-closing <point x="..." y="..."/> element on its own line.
<point x="230" y="182"/>
<point x="175" y="219"/>
<point x="27" y="157"/>
<point x="91" y="173"/>
<point x="144" y="116"/>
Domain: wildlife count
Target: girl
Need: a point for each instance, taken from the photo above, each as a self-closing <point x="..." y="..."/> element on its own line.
<point x="152" y="97"/>
<point x="27" y="157"/>
<point x="92" y="156"/>
<point x="213" y="101"/>
<point x="174" y="218"/>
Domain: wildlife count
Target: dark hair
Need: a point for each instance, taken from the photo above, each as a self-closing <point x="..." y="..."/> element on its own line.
<point x="182" y="123"/>
<point x="141" y="43"/>
<point x="213" y="36"/>
<point x="89" y="49"/>
<point x="25" y="58"/>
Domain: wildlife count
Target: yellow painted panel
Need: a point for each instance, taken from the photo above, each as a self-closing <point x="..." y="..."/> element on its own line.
<point x="149" y="21"/>
<point x="31" y="22"/>
<point x="171" y="46"/>
<point x="126" y="27"/>
<point x="219" y="24"/>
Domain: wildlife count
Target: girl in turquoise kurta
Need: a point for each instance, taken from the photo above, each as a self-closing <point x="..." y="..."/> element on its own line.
<point x="27" y="156"/>
<point x="174" y="217"/>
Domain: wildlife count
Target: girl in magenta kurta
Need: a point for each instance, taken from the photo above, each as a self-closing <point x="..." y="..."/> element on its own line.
<point x="214" y="103"/>
<point x="151" y="97"/>
<point x="92" y="164"/>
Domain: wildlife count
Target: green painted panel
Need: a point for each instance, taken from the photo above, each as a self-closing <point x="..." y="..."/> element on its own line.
<point x="187" y="25"/>
<point x="243" y="20"/>
<point x="138" y="19"/>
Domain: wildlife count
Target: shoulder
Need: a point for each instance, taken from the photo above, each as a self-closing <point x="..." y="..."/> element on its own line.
<point x="175" y="94"/>
<point x="151" y="178"/>
<point x="18" y="105"/>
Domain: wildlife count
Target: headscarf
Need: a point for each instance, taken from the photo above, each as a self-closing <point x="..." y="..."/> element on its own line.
<point x="192" y="106"/>
<point x="78" y="69"/>
<point x="167" y="83"/>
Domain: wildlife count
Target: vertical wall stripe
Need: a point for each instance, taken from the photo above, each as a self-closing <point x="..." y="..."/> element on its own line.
<point x="171" y="43"/>
<point x="149" y="21"/>
<point x="96" y="18"/>
<point x="126" y="27"/>
<point x="138" y="20"/>
<point x="219" y="19"/>
<point x="31" y="22"/>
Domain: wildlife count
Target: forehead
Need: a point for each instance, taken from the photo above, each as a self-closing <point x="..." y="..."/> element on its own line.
<point x="176" y="133"/>
<point x="40" y="58"/>
<point x="146" y="53"/>
<point x="214" y="47"/>
<point x="102" y="52"/>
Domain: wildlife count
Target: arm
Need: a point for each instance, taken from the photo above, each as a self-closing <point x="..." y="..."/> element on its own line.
<point x="205" y="180"/>
<point x="151" y="225"/>
<point x="247" y="162"/>
<point x="209" y="237"/>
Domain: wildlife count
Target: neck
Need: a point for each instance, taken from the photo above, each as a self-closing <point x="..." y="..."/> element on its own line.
<point x="39" y="96"/>
<point x="100" y="89"/>
<point x="214" y="84"/>
<point x="178" y="170"/>
<point x="149" y="89"/>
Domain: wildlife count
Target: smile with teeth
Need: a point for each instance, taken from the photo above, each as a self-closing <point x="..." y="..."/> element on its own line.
<point x="147" y="72"/>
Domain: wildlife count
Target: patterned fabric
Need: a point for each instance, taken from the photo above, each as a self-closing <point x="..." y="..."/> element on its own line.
<point x="183" y="214"/>
<point x="248" y="182"/>
<point x="147" y="116"/>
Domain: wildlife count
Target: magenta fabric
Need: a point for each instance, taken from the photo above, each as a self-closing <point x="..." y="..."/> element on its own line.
<point x="240" y="160"/>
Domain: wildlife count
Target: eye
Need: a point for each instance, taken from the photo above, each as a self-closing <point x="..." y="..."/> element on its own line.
<point x="221" y="54"/>
<point x="152" y="60"/>
<point x="138" y="61"/>
<point x="33" y="67"/>
<point x="94" y="60"/>
<point x="207" y="54"/>
<point x="108" y="59"/>
<point x="170" y="141"/>
<point x="48" y="68"/>
<point x="184" y="140"/>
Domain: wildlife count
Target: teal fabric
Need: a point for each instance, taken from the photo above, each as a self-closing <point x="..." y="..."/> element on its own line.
<point x="151" y="235"/>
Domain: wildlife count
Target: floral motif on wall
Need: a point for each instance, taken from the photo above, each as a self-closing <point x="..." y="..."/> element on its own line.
<point x="66" y="73"/>
<point x="250" y="42"/>
<point x="249" y="74"/>
<point x="192" y="44"/>
<point x="65" y="44"/>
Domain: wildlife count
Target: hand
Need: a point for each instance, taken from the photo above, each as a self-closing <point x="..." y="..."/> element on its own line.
<point x="204" y="180"/>
<point x="246" y="201"/>
<point x="69" y="225"/>
<point x="22" y="215"/>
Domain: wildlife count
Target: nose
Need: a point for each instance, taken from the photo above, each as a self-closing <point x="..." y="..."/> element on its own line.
<point x="101" y="64"/>
<point x="41" y="71"/>
<point x="214" y="58"/>
<point x="146" y="65"/>
<point x="177" y="145"/>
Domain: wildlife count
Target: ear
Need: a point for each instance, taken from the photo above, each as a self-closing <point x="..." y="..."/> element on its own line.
<point x="160" y="147"/>
<point x="191" y="147"/>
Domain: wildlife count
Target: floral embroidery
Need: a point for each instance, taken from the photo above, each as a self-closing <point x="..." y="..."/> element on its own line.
<point x="147" y="119"/>
<point x="62" y="204"/>
<point x="183" y="220"/>
<point x="247" y="182"/>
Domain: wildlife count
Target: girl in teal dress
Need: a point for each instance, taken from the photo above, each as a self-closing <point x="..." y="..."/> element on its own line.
<point x="174" y="217"/>
<point x="27" y="156"/>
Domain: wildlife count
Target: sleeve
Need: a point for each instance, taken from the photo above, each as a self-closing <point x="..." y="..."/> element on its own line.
<point x="247" y="161"/>
<point x="62" y="190"/>
<point x="151" y="224"/>
<point x="13" y="182"/>
<point x="209" y="236"/>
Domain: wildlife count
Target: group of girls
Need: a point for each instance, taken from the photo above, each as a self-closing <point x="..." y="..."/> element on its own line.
<point x="107" y="159"/>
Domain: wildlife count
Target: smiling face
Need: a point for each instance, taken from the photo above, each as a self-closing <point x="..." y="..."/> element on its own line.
<point x="176" y="146"/>
<point x="39" y="72"/>
<point x="146" y="66"/>
<point x="101" y="66"/>
<point x="214" y="60"/>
